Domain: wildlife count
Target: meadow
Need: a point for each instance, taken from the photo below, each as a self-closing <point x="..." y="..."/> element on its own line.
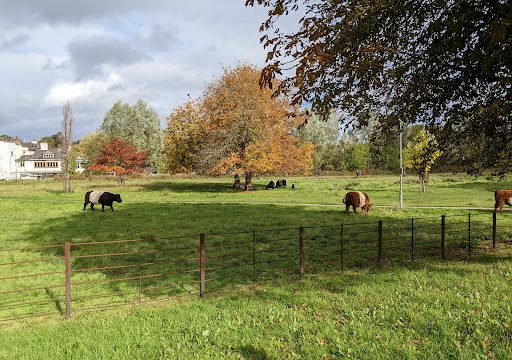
<point x="428" y="308"/>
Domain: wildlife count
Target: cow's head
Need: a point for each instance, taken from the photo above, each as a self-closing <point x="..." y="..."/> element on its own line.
<point x="117" y="197"/>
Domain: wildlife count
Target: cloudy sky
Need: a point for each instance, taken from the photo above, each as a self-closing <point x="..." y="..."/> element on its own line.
<point x="95" y="52"/>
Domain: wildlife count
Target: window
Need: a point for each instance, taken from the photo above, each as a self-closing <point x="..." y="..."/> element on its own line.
<point x="46" y="164"/>
<point x="22" y="164"/>
<point x="48" y="155"/>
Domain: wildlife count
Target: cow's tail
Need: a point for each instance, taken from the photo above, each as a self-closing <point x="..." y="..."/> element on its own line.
<point x="345" y="200"/>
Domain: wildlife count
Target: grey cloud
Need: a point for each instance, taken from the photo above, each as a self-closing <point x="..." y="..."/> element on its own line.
<point x="50" y="64"/>
<point x="20" y="13"/>
<point x="14" y="40"/>
<point x="89" y="54"/>
<point x="163" y="37"/>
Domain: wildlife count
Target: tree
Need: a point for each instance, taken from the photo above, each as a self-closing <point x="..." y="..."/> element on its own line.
<point x="67" y="126"/>
<point x="90" y="146"/>
<point x="421" y="154"/>
<point x="234" y="126"/>
<point x="443" y="63"/>
<point x="182" y="137"/>
<point x="356" y="155"/>
<point x="138" y="124"/>
<point x="119" y="157"/>
<point x="54" y="141"/>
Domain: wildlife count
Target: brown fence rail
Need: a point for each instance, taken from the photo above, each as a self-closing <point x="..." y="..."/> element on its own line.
<point x="68" y="278"/>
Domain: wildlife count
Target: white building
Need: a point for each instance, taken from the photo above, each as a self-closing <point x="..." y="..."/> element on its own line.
<point x="9" y="152"/>
<point x="31" y="161"/>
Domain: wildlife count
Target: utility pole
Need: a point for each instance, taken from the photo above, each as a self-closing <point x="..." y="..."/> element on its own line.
<point x="401" y="170"/>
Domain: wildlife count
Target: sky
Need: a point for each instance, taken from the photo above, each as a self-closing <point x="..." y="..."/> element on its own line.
<point x="93" y="53"/>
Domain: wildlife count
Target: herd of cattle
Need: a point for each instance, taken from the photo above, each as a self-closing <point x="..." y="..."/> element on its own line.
<point x="354" y="199"/>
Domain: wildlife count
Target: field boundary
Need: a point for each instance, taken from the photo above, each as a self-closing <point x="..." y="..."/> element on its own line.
<point x="94" y="275"/>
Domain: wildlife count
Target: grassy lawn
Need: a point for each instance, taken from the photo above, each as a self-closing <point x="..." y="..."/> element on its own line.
<point x="421" y="309"/>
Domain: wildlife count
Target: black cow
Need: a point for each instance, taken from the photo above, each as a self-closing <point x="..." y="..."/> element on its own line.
<point x="278" y="183"/>
<point x="271" y="185"/>
<point x="101" y="197"/>
<point x="293" y="186"/>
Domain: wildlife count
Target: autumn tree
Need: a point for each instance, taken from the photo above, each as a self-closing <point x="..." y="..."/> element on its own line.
<point x="138" y="124"/>
<point x="443" y="63"/>
<point x="121" y="158"/>
<point x="421" y="154"/>
<point x="236" y="126"/>
<point x="183" y="137"/>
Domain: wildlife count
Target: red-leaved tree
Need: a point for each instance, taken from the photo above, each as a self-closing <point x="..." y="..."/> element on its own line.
<point x="119" y="157"/>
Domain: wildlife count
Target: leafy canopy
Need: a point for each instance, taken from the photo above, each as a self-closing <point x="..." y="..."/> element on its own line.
<point x="235" y="126"/>
<point x="138" y="124"/>
<point x="120" y="157"/>
<point x="447" y="64"/>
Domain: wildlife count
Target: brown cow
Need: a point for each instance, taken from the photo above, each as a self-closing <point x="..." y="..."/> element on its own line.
<point x="502" y="197"/>
<point x="357" y="199"/>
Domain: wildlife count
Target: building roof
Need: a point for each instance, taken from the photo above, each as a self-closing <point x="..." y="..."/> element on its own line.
<point x="38" y="155"/>
<point x="31" y="146"/>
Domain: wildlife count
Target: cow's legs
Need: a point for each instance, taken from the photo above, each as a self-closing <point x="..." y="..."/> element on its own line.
<point x="354" y="207"/>
<point x="102" y="208"/>
<point x="85" y="204"/>
<point x="112" y="207"/>
<point x="92" y="206"/>
<point x="347" y="207"/>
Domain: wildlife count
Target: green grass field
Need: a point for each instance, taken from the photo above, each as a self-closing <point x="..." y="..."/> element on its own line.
<point x="459" y="308"/>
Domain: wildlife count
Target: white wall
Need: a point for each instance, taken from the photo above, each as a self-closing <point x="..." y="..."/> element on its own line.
<point x="9" y="152"/>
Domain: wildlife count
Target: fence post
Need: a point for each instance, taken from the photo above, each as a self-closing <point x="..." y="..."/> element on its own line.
<point x="67" y="271"/>
<point x="341" y="247"/>
<point x="254" y="257"/>
<point x="412" y="239"/>
<point x="301" y="252"/>
<point x="443" y="237"/>
<point x="380" y="260"/>
<point x="140" y="273"/>
<point x="202" y="263"/>
<point x="469" y="233"/>
<point x="494" y="229"/>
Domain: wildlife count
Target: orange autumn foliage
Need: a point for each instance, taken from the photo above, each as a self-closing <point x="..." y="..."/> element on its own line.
<point x="238" y="126"/>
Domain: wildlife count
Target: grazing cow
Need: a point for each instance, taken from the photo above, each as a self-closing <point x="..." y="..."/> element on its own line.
<point x="101" y="197"/>
<point x="271" y="185"/>
<point x="293" y="186"/>
<point x="502" y="197"/>
<point x="357" y="199"/>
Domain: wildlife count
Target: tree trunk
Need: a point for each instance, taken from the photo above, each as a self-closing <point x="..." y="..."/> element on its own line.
<point x="66" y="175"/>
<point x="248" y="181"/>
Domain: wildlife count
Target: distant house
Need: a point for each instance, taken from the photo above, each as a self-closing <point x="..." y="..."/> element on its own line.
<point x="42" y="163"/>
<point x="31" y="160"/>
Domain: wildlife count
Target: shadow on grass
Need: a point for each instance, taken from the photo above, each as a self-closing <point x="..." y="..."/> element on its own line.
<point x="249" y="352"/>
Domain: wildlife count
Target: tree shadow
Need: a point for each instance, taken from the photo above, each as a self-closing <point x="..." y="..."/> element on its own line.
<point x="249" y="352"/>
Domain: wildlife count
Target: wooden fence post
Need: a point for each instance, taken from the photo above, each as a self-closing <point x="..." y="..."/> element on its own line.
<point x="67" y="271"/>
<point x="412" y="239"/>
<point x="379" y="254"/>
<point x="494" y="229"/>
<point x="301" y="252"/>
<point x="469" y="233"/>
<point x="202" y="265"/>
<point x="341" y="247"/>
<point x="254" y="257"/>
<point x="443" y="237"/>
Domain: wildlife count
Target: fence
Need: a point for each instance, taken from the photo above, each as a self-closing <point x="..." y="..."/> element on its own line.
<point x="63" y="279"/>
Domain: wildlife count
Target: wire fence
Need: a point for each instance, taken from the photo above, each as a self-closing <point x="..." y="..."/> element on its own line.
<point x="64" y="279"/>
